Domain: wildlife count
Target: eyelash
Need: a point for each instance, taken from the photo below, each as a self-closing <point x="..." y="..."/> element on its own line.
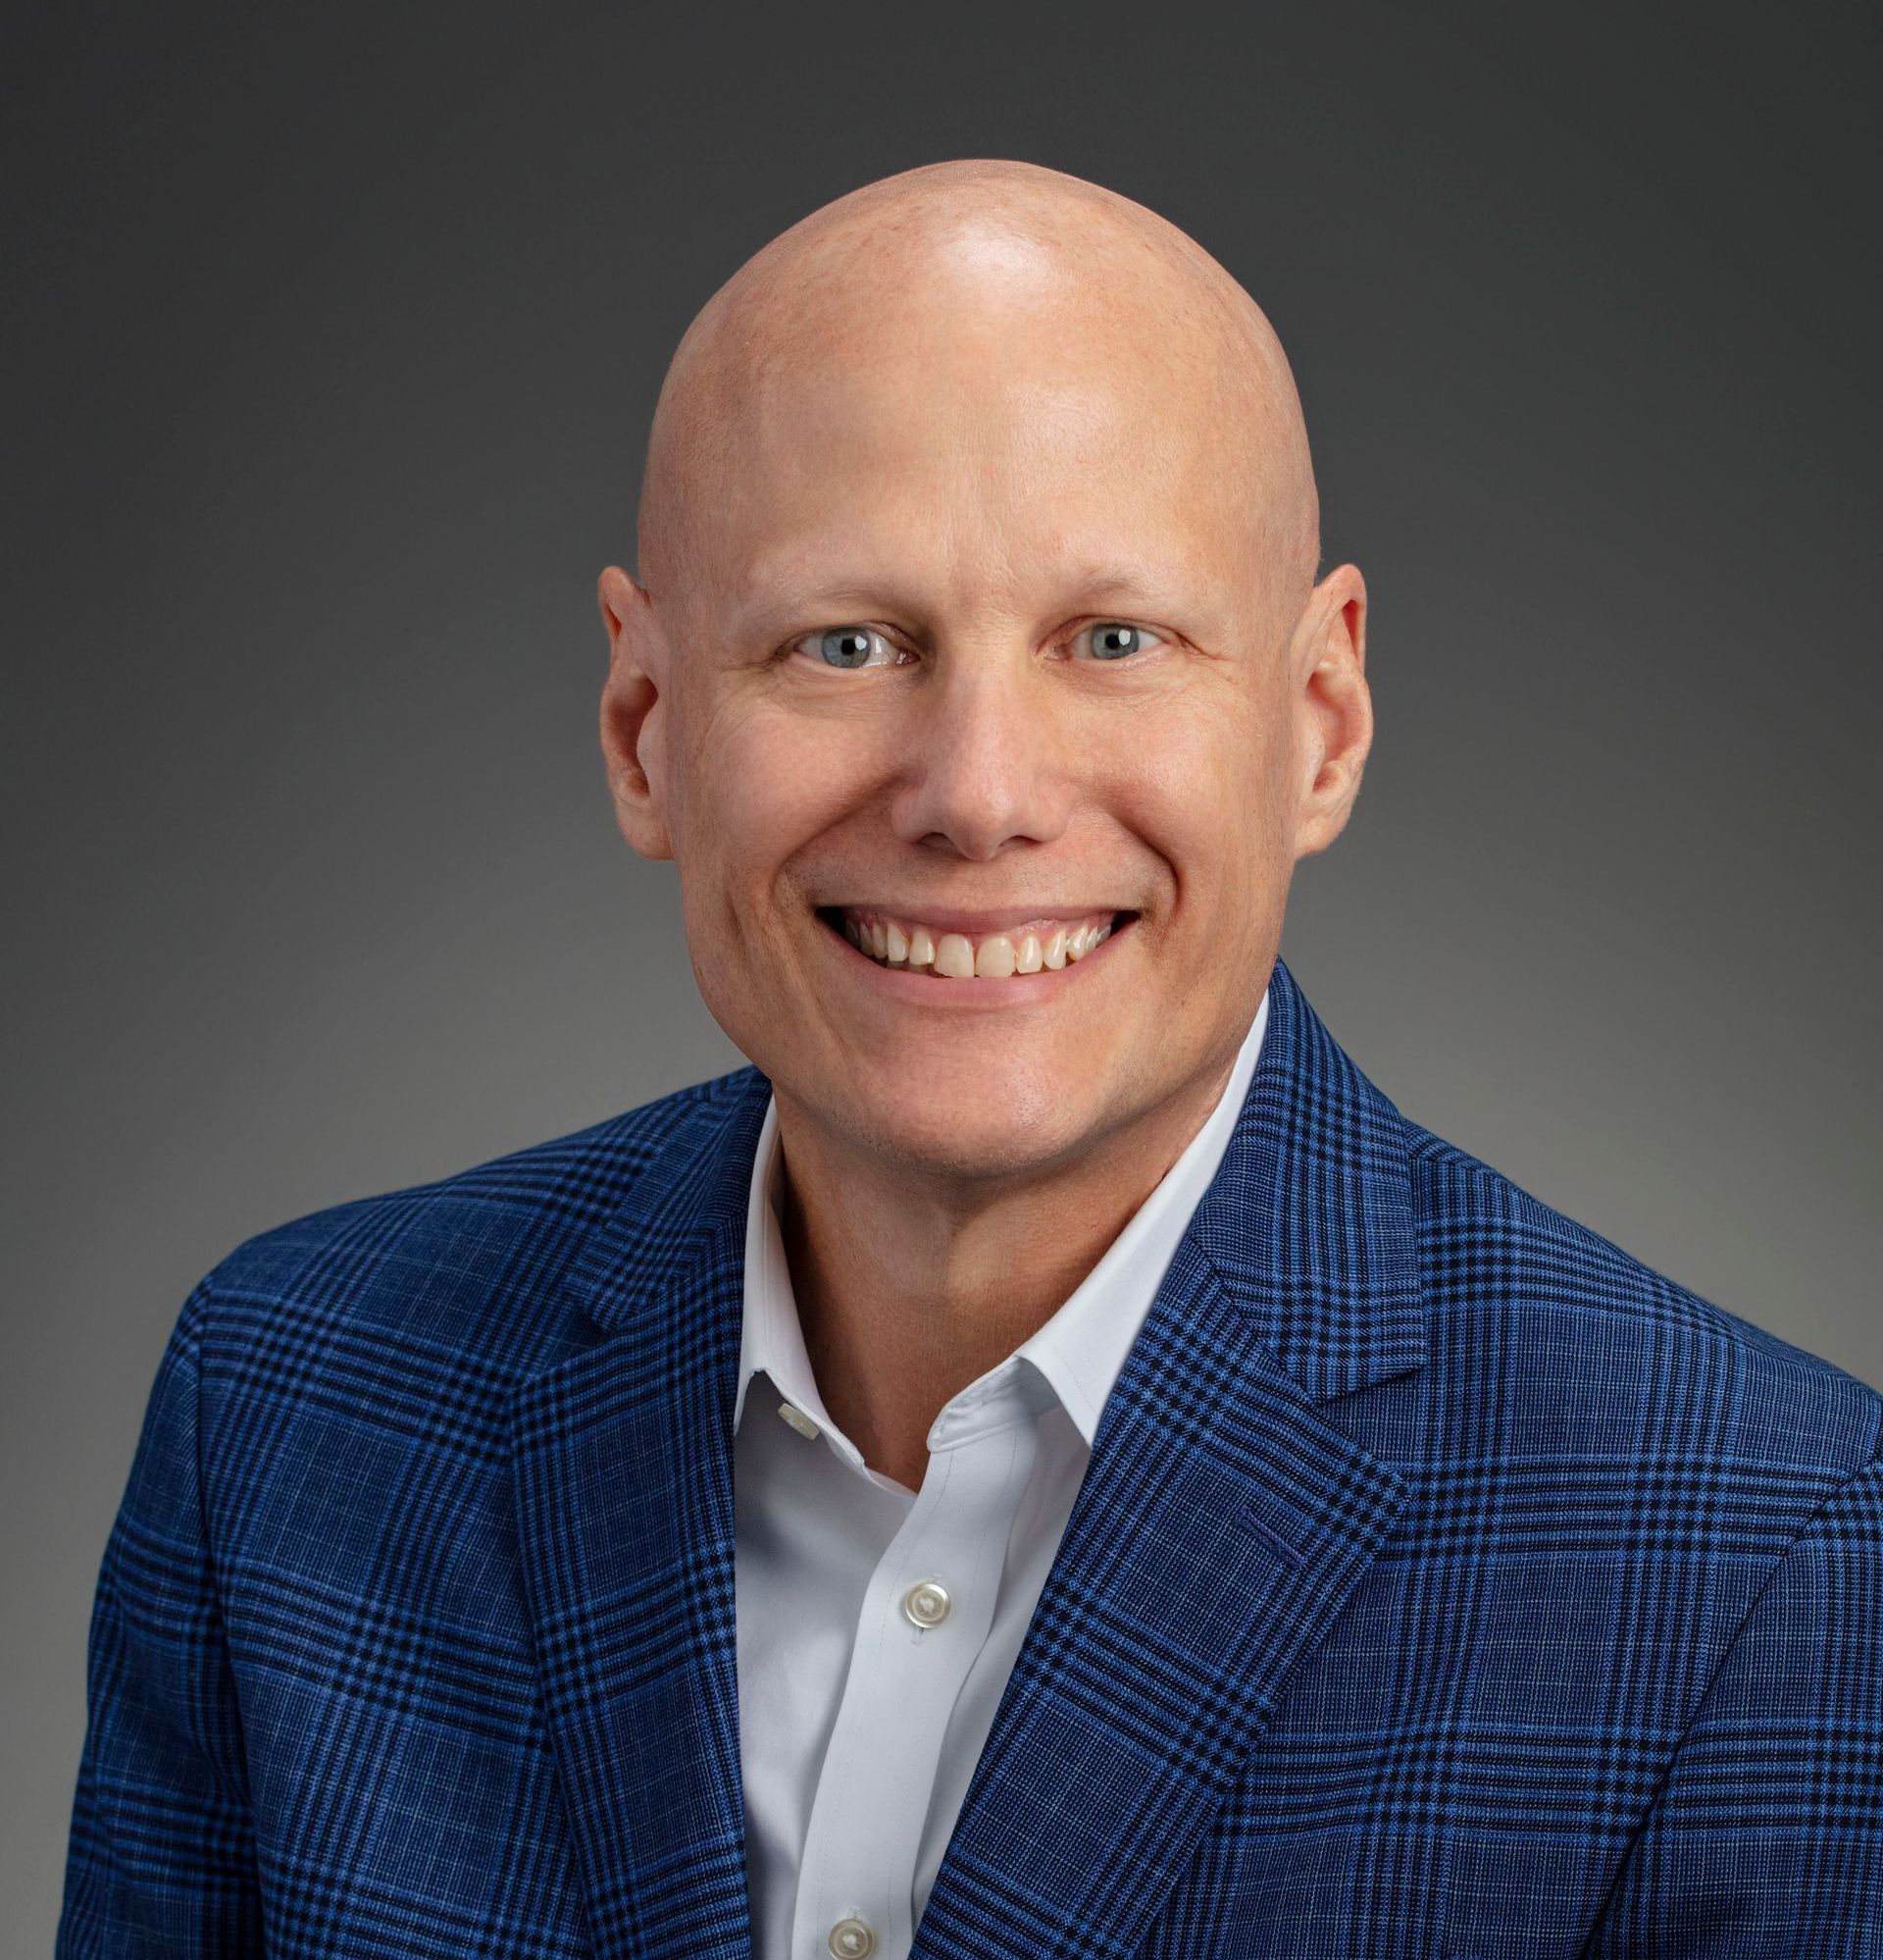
<point x="1156" y="639"/>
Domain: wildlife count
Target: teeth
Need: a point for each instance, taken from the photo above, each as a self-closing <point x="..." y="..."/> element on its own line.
<point x="954" y="955"/>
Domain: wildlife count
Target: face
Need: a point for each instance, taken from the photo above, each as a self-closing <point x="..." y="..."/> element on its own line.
<point x="985" y="742"/>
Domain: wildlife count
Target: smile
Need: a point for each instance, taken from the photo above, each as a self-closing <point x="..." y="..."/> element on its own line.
<point x="939" y="951"/>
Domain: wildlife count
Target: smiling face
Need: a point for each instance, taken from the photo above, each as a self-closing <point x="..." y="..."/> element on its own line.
<point x="981" y="691"/>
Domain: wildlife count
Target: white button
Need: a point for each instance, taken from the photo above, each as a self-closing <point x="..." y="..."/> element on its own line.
<point x="928" y="1603"/>
<point x="852" y="1938"/>
<point x="798" y="1421"/>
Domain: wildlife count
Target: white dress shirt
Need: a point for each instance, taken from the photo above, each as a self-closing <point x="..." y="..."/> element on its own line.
<point x="877" y="1626"/>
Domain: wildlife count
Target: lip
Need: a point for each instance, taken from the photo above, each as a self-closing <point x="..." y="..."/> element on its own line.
<point x="925" y="990"/>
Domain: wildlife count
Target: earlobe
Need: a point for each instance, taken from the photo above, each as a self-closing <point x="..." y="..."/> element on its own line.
<point x="631" y="739"/>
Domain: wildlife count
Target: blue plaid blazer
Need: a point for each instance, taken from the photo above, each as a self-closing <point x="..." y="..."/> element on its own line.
<point x="1443" y="1583"/>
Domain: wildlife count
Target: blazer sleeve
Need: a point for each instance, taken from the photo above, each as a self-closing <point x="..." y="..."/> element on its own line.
<point x="161" y="1860"/>
<point x="1765" y="1841"/>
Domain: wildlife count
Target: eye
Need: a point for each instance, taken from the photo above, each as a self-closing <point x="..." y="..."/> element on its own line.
<point x="1117" y="639"/>
<point x="846" y="646"/>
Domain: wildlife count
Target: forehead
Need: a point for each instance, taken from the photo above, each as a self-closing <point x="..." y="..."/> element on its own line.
<point x="1018" y="447"/>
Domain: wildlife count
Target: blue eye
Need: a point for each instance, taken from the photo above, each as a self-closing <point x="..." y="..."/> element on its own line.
<point x="848" y="646"/>
<point x="1114" y="639"/>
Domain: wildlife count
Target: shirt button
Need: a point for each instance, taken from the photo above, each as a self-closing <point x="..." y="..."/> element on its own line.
<point x="798" y="1421"/>
<point x="852" y="1938"/>
<point x="928" y="1603"/>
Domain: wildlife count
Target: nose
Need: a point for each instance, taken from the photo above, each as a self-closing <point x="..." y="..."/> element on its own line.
<point x="988" y="758"/>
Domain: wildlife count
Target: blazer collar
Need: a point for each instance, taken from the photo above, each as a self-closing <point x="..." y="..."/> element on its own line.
<point x="1222" y="1522"/>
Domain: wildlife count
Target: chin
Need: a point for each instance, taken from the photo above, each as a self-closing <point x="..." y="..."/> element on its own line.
<point x="973" y="1134"/>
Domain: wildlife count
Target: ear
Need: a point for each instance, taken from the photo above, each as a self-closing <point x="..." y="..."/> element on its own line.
<point x="1334" y="709"/>
<point x="633" y="721"/>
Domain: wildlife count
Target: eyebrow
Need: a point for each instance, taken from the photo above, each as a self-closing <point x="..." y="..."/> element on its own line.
<point x="1098" y="584"/>
<point x="770" y="596"/>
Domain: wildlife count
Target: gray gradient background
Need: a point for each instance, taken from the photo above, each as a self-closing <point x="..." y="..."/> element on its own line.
<point x="332" y="340"/>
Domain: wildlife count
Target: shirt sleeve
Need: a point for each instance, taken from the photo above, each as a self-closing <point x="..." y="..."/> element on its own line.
<point x="1765" y="1841"/>
<point x="161" y="1860"/>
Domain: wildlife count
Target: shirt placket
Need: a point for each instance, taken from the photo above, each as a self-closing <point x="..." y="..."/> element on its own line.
<point x="925" y="1616"/>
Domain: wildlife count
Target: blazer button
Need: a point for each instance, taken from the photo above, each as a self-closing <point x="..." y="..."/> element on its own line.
<point x="927" y="1604"/>
<point x="852" y="1938"/>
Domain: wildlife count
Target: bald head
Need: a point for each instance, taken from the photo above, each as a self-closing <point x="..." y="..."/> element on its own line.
<point x="929" y="281"/>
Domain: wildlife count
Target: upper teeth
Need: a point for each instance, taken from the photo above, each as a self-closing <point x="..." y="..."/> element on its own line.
<point x="957" y="955"/>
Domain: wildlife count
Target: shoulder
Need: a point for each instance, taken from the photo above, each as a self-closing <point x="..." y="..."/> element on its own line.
<point x="1593" y="1353"/>
<point x="462" y="1274"/>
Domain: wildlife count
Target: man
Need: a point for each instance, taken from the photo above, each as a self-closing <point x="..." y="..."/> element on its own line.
<point x="1049" y="1460"/>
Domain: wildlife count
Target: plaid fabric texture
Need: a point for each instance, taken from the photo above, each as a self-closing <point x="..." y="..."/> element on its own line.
<point x="1444" y="1582"/>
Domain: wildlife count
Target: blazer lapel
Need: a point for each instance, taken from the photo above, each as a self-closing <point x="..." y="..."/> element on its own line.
<point x="623" y="1470"/>
<point x="1223" y="1521"/>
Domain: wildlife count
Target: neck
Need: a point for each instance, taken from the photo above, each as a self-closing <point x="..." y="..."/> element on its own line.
<point x="910" y="1287"/>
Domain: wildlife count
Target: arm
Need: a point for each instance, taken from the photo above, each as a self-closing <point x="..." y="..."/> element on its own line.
<point x="161" y="1857"/>
<point x="1766" y="1840"/>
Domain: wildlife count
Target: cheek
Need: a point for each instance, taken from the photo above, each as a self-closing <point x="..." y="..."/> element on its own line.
<point x="1204" y="789"/>
<point x="761" y="785"/>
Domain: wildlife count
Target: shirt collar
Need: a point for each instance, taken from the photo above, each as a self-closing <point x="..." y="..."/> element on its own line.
<point x="1078" y="1351"/>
